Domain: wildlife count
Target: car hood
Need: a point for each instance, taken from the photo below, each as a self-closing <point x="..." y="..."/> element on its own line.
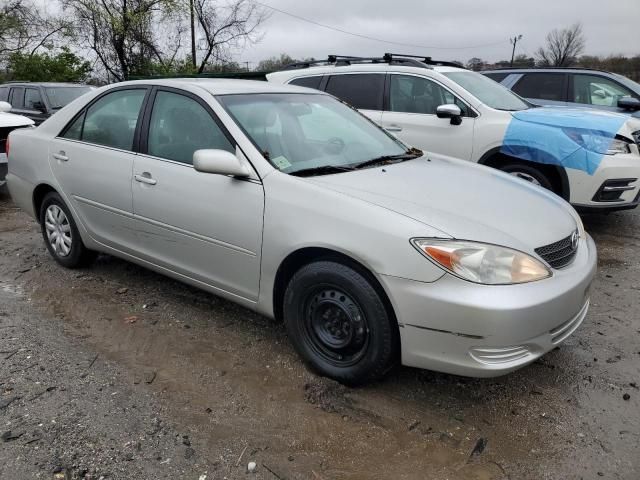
<point x="13" y="120"/>
<point x="462" y="200"/>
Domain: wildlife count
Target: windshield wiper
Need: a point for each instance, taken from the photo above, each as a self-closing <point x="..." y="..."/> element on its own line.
<point x="387" y="159"/>
<point x="322" y="170"/>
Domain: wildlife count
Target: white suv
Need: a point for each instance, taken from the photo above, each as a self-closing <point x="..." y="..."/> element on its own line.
<point x="8" y="122"/>
<point x="590" y="158"/>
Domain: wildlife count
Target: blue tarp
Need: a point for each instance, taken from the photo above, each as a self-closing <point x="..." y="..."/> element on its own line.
<point x="572" y="138"/>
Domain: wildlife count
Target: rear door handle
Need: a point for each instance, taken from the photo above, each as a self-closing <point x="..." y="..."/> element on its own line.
<point x="145" y="178"/>
<point x="61" y="156"/>
<point x="393" y="128"/>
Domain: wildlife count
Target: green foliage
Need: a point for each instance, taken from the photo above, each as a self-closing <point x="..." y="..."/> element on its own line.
<point x="65" y="66"/>
<point x="153" y="68"/>
<point x="277" y="63"/>
<point x="627" y="66"/>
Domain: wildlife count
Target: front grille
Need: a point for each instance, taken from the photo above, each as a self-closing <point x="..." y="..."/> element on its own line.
<point x="559" y="254"/>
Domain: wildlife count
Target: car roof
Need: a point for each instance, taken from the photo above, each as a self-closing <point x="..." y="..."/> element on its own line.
<point x="360" y="67"/>
<point x="43" y="84"/>
<point x="545" y="70"/>
<point x="224" y="86"/>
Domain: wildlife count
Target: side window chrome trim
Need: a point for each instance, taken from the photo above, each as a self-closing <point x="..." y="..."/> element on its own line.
<point x="81" y="142"/>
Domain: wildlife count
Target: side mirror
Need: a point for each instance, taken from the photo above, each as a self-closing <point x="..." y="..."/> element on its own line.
<point x="450" y="111"/>
<point x="219" y="162"/>
<point x="5" y="107"/>
<point x="39" y="106"/>
<point x="629" y="103"/>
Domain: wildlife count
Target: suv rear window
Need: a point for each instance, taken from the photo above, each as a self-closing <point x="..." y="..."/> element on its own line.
<point x="4" y="94"/>
<point x="545" y="86"/>
<point x="498" y="76"/>
<point x="310" y="82"/>
<point x="16" y="97"/>
<point x="362" y="91"/>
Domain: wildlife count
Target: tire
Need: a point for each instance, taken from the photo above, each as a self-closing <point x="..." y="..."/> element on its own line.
<point x="61" y="234"/>
<point x="338" y="323"/>
<point x="528" y="172"/>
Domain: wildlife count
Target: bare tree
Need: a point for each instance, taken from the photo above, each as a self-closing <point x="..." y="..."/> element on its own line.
<point x="476" y="64"/>
<point x="23" y="28"/>
<point x="127" y="36"/>
<point x="562" y="47"/>
<point x="226" y="26"/>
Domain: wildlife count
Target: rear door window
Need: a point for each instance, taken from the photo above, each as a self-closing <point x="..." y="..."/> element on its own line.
<point x="544" y="86"/>
<point x="111" y="121"/>
<point x="309" y="82"/>
<point x="363" y="91"/>
<point x="33" y="99"/>
<point x="4" y="94"/>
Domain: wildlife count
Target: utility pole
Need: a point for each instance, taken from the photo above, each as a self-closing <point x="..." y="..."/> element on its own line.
<point x="513" y="42"/>
<point x="193" y="34"/>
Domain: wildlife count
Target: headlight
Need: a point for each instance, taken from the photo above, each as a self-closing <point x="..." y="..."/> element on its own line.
<point x="594" y="142"/>
<point x="482" y="262"/>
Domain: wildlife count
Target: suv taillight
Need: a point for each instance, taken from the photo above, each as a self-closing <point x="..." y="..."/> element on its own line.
<point x="6" y="146"/>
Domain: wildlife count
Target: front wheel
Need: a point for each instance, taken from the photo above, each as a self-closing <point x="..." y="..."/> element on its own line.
<point x="61" y="234"/>
<point x="528" y="173"/>
<point x="338" y="323"/>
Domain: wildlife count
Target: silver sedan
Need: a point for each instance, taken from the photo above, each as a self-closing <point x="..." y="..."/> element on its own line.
<point x="291" y="203"/>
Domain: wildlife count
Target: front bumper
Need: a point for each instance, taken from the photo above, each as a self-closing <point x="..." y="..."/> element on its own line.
<point x="463" y="328"/>
<point x="586" y="190"/>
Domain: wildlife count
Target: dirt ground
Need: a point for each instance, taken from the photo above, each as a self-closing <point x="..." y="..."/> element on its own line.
<point x="116" y="372"/>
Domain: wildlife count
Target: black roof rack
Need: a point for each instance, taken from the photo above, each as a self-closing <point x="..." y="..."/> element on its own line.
<point x="541" y="67"/>
<point x="390" y="58"/>
<point x="425" y="60"/>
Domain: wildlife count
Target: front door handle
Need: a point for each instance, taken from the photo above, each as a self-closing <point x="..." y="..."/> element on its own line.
<point x="145" y="178"/>
<point x="61" y="156"/>
<point x="393" y="128"/>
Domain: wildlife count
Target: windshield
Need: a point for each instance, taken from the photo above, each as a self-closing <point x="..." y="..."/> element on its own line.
<point x="298" y="132"/>
<point x="488" y="91"/>
<point x="60" y="96"/>
<point x="635" y="86"/>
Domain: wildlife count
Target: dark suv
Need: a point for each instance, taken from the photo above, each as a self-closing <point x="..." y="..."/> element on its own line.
<point x="572" y="87"/>
<point x="39" y="101"/>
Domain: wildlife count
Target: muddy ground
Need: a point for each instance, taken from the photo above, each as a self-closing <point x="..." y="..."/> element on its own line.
<point x="116" y="372"/>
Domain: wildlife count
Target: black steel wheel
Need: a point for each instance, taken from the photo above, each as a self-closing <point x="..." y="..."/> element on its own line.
<point x="336" y="328"/>
<point x="339" y="324"/>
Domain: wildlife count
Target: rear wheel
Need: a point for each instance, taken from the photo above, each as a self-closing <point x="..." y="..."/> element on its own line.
<point x="338" y="323"/>
<point x="528" y="173"/>
<point x="61" y="234"/>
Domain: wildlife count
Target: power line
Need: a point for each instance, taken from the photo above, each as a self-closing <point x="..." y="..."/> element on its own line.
<point x="366" y="37"/>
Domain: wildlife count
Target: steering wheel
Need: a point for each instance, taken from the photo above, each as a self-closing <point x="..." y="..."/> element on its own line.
<point x="334" y="146"/>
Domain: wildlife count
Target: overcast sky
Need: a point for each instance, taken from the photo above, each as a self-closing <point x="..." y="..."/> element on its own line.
<point x="443" y="29"/>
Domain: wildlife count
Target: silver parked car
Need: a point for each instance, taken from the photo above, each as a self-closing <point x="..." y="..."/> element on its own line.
<point x="291" y="203"/>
